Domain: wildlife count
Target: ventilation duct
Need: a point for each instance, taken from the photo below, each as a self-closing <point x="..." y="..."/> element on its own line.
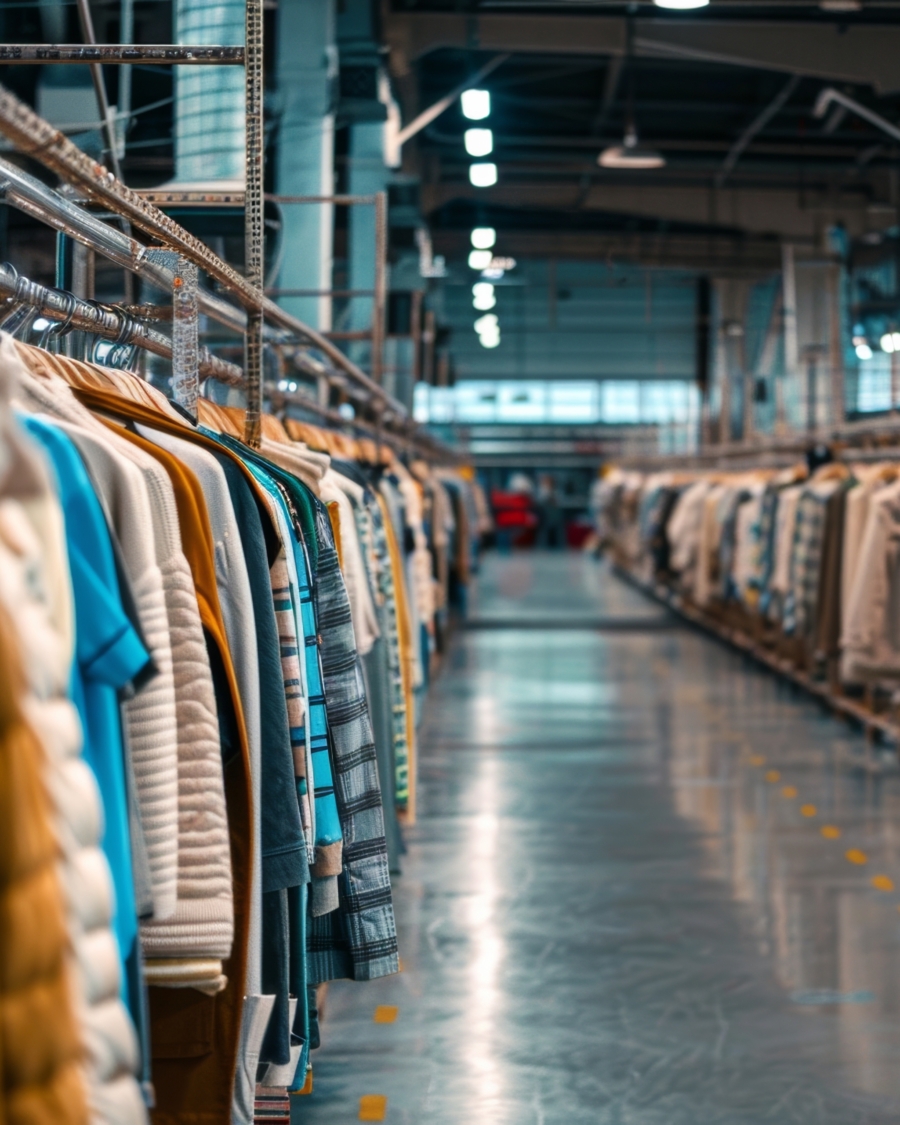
<point x="209" y="100"/>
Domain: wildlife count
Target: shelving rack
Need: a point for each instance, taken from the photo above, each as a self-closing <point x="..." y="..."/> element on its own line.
<point x="240" y="303"/>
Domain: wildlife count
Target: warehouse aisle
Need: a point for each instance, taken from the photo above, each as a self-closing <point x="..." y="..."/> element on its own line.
<point x="647" y="887"/>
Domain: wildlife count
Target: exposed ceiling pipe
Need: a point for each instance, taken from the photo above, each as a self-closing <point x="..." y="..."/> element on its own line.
<point x="756" y="126"/>
<point x="428" y="115"/>
<point x="829" y="95"/>
<point x="106" y="115"/>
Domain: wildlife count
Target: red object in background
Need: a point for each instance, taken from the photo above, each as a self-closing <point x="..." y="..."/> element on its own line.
<point x="577" y="532"/>
<point x="513" y="511"/>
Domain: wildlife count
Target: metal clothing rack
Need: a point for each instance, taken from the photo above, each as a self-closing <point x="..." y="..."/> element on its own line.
<point x="70" y="313"/>
<point x="34" y="136"/>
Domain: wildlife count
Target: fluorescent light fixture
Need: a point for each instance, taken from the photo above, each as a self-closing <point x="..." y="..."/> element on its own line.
<point x="479" y="142"/>
<point x="887" y="343"/>
<point x="681" y="5"/>
<point x="863" y="351"/>
<point x="487" y="323"/>
<point x="483" y="238"/>
<point x="480" y="259"/>
<point x="490" y="341"/>
<point x="631" y="154"/>
<point x="483" y="297"/>
<point x="482" y="175"/>
<point x="476" y="104"/>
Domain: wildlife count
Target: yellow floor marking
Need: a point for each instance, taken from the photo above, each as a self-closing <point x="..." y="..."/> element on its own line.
<point x="372" y="1107"/>
<point x="756" y="760"/>
<point x="399" y="964"/>
<point x="883" y="883"/>
<point x="773" y="776"/>
<point x="808" y="810"/>
<point x="856" y="856"/>
<point x="831" y="832"/>
<point x="385" y="1013"/>
<point x="789" y="791"/>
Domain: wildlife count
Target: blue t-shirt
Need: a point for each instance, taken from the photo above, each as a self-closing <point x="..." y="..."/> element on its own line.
<point x="108" y="656"/>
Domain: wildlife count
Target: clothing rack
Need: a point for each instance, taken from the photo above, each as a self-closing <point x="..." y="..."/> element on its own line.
<point x="37" y="138"/>
<point x="865" y="439"/>
<point x="72" y="313"/>
<point x="28" y="194"/>
<point x="414" y="441"/>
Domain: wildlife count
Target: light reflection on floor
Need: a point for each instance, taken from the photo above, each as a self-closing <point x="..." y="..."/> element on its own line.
<point x="608" y="915"/>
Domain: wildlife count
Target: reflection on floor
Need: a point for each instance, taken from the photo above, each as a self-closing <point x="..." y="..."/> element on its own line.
<point x="646" y="888"/>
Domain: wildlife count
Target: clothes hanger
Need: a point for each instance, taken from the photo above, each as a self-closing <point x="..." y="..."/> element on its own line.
<point x="213" y="415"/>
<point x="834" y="471"/>
<point x="273" y="429"/>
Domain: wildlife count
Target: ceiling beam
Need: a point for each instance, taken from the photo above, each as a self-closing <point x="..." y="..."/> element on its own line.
<point x="799" y="215"/>
<point x="862" y="54"/>
<point x="725" y="256"/>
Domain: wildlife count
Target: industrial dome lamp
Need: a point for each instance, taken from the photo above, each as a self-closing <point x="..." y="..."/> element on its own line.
<point x="631" y="154"/>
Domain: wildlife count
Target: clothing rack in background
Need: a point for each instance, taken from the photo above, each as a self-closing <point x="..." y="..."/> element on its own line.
<point x="791" y="566"/>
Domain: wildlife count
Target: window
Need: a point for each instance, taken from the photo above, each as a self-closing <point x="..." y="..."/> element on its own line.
<point x="534" y="402"/>
<point x="874" y="384"/>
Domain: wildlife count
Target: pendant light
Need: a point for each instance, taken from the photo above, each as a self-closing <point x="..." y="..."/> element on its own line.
<point x="630" y="154"/>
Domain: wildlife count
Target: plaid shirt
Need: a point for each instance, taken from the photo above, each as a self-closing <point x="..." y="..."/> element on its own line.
<point x="360" y="939"/>
<point x="388" y="597"/>
<point x="806" y="562"/>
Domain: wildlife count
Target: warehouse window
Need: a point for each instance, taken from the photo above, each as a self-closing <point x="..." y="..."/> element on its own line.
<point x="535" y="402"/>
<point x="874" y="385"/>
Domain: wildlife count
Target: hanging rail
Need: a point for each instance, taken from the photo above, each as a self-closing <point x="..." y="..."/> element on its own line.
<point x="35" y="137"/>
<point x="158" y="54"/>
<point x="112" y="323"/>
<point x="408" y="440"/>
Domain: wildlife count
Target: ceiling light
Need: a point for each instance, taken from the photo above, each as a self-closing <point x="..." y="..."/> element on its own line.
<point x="480" y="259"/>
<point x="863" y="351"/>
<point x="483" y="296"/>
<point x="476" y="104"/>
<point x="483" y="238"/>
<point x="887" y="343"/>
<point x="630" y="154"/>
<point x="479" y="142"/>
<point x="483" y="175"/>
<point x="681" y="5"/>
<point x="492" y="341"/>
<point x="486" y="323"/>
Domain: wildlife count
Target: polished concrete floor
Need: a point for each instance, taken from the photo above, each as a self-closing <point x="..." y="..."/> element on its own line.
<point x="619" y="905"/>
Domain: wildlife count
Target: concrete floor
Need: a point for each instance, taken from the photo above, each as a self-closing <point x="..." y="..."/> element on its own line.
<point x="612" y="912"/>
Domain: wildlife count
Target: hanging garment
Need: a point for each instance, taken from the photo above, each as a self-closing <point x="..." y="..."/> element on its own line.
<point x="150" y="716"/>
<point x="40" y="1042"/>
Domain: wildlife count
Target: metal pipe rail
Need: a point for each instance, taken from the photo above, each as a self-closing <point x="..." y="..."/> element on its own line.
<point x="35" y="198"/>
<point x="35" y="137"/>
<point x="408" y="440"/>
<point x="108" y="321"/>
<point x="158" y="54"/>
